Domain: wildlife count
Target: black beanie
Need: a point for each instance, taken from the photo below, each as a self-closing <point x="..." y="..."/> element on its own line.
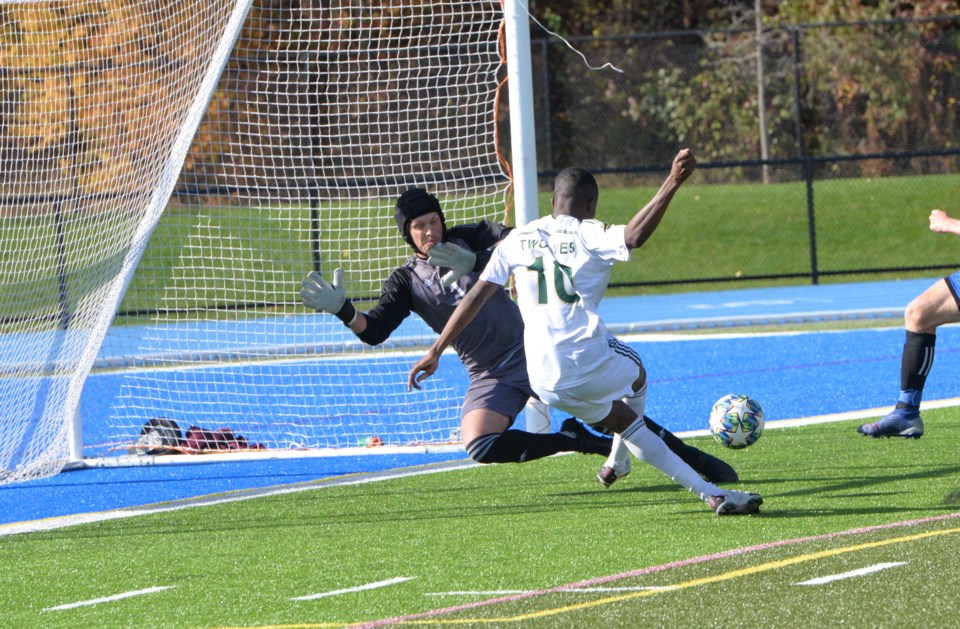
<point x="412" y="204"/>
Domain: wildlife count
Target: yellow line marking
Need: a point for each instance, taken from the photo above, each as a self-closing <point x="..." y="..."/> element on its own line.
<point x="726" y="576"/>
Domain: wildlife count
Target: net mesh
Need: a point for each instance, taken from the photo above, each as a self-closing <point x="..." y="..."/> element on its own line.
<point x="323" y="114"/>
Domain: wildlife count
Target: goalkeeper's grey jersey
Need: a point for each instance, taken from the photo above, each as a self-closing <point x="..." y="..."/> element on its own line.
<point x="491" y="344"/>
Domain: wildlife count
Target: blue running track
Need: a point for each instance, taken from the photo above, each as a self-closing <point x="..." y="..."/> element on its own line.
<point x="791" y="375"/>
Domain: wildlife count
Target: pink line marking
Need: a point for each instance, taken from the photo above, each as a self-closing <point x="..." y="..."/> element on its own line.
<point x="650" y="570"/>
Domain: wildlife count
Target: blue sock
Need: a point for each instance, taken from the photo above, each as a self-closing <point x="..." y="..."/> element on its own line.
<point x="909" y="397"/>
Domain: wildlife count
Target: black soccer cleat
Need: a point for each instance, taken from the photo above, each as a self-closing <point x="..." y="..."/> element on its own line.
<point x="901" y="422"/>
<point x="587" y="442"/>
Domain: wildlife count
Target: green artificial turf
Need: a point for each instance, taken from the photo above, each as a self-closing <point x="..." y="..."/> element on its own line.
<point x="479" y="533"/>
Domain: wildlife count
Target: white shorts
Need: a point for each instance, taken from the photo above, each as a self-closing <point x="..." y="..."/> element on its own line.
<point x="609" y="381"/>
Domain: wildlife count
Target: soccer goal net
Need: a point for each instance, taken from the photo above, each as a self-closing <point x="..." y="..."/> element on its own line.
<point x="171" y="170"/>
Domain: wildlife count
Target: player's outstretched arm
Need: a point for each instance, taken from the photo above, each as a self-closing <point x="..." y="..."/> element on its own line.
<point x="941" y="223"/>
<point x="465" y="312"/>
<point x="645" y="222"/>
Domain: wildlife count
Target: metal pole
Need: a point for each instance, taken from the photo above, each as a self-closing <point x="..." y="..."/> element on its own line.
<point x="807" y="162"/>
<point x="548" y="110"/>
<point x="812" y="223"/>
<point x="761" y="93"/>
<point x="797" y="110"/>
<point x="523" y="142"/>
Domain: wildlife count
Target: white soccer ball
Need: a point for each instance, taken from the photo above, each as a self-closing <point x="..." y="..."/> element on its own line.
<point x="736" y="421"/>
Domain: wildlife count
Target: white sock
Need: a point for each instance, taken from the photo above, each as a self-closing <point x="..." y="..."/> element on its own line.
<point x="638" y="401"/>
<point x="618" y="454"/>
<point x="651" y="449"/>
<point x="618" y="451"/>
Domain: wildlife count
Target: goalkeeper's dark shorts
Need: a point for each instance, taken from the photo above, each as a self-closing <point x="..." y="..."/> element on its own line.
<point x="506" y="392"/>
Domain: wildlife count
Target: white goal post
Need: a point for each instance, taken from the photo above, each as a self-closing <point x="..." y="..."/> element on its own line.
<point x="171" y="171"/>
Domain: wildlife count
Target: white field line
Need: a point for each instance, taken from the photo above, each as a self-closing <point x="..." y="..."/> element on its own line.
<point x="696" y="324"/>
<point x="853" y="573"/>
<point x="108" y="599"/>
<point x="149" y="460"/>
<point x="359" y="588"/>
<point x="50" y="524"/>
<point x="835" y="417"/>
<point x="145" y="460"/>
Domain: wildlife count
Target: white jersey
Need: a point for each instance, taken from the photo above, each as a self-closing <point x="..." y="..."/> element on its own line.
<point x="561" y="267"/>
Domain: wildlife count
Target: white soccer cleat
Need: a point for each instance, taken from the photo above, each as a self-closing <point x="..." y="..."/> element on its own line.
<point x="735" y="502"/>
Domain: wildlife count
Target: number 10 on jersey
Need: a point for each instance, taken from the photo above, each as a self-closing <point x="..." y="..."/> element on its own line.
<point x="560" y="280"/>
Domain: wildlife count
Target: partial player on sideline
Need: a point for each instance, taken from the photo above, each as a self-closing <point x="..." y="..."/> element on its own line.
<point x="561" y="265"/>
<point x="936" y="306"/>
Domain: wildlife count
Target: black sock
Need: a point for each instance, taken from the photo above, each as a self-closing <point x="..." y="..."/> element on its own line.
<point x="517" y="446"/>
<point x="918" y="353"/>
<point x="710" y="467"/>
<point x="688" y="454"/>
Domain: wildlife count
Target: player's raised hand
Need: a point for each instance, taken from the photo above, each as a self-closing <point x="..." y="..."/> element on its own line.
<point x="322" y="296"/>
<point x="941" y="223"/>
<point x="460" y="261"/>
<point x="428" y="365"/>
<point x="683" y="165"/>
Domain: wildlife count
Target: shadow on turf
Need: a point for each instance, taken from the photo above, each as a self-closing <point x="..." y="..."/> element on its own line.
<point x="952" y="499"/>
<point x="371" y="504"/>
<point x="846" y="484"/>
<point x="839" y="485"/>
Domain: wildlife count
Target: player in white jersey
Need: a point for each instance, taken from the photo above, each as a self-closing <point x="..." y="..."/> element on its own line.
<point x="561" y="264"/>
<point x="548" y="258"/>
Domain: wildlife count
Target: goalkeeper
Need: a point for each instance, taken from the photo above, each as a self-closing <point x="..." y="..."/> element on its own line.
<point x="444" y="266"/>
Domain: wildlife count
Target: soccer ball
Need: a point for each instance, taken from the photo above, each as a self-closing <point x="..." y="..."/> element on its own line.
<point x="736" y="421"/>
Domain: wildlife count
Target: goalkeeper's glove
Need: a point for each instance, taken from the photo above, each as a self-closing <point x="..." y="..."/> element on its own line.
<point x="460" y="261"/>
<point x="322" y="296"/>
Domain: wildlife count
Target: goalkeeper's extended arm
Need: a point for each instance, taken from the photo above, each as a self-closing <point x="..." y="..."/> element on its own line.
<point x="322" y="296"/>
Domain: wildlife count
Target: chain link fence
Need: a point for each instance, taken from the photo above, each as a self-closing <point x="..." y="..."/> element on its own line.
<point x="821" y="148"/>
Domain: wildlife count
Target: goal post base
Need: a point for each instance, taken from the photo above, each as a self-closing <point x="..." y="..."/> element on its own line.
<point x="147" y="460"/>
